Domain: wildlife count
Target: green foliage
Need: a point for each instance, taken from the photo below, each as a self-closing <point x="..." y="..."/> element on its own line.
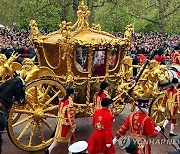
<point x="47" y="16"/>
<point x="112" y="15"/>
<point x="112" y="18"/>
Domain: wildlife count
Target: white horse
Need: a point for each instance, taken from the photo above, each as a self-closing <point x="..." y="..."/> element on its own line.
<point x="172" y="72"/>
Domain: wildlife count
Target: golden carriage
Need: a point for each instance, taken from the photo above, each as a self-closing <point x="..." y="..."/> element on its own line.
<point x="76" y="55"/>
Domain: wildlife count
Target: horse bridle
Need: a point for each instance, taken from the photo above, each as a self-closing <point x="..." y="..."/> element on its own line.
<point x="21" y="101"/>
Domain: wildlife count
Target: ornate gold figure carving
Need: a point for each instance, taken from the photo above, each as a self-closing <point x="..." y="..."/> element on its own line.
<point x="83" y="13"/>
<point x="65" y="28"/>
<point x="30" y="71"/>
<point x="147" y="84"/>
<point x="96" y="27"/>
<point x="129" y="31"/>
<point x="8" y="66"/>
<point x="34" y="29"/>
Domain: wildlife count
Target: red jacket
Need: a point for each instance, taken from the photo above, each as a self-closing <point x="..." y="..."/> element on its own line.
<point x="65" y="122"/>
<point x="171" y="106"/>
<point x="97" y="99"/>
<point x="102" y="135"/>
<point x="140" y="126"/>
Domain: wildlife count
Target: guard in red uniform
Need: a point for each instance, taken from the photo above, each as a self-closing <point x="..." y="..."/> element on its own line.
<point x="98" y="96"/>
<point x="141" y="127"/>
<point x="160" y="58"/>
<point x="175" y="57"/>
<point x="101" y="139"/>
<point x="65" y="120"/>
<point x="171" y="106"/>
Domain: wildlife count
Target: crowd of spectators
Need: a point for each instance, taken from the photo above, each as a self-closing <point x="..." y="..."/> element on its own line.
<point x="18" y="41"/>
<point x="145" y="43"/>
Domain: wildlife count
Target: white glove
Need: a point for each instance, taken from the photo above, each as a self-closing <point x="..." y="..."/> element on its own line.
<point x="158" y="128"/>
<point x="114" y="141"/>
<point x="162" y="109"/>
<point x="108" y="145"/>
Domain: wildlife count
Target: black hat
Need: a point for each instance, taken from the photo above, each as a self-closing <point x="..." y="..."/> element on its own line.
<point x="104" y="85"/>
<point x="142" y="102"/>
<point x="69" y="91"/>
<point x="174" y="80"/>
<point x="106" y="101"/>
<point x="132" y="146"/>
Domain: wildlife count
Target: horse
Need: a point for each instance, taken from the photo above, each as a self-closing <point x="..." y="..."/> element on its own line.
<point x="11" y="91"/>
<point x="172" y="73"/>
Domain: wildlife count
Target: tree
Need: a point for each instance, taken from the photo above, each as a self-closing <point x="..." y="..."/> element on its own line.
<point x="113" y="15"/>
<point x="157" y="12"/>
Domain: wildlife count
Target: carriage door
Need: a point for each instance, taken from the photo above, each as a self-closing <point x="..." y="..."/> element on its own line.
<point x="99" y="62"/>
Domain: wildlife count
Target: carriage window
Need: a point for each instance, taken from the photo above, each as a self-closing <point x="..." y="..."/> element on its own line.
<point x="113" y="58"/>
<point x="81" y="59"/>
<point x="99" y="62"/>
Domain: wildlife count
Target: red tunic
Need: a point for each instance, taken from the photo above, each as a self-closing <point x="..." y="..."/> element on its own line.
<point x="175" y="57"/>
<point x="98" y="99"/>
<point x="140" y="126"/>
<point x="171" y="104"/>
<point x="65" y="122"/>
<point x="102" y="135"/>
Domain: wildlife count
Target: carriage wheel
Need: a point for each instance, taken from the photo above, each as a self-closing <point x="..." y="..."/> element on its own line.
<point x="155" y="110"/>
<point x="30" y="127"/>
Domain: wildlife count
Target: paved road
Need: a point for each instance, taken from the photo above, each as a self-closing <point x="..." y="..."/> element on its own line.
<point x="83" y="132"/>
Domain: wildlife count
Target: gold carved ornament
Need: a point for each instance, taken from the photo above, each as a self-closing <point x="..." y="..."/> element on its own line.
<point x="8" y="66"/>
